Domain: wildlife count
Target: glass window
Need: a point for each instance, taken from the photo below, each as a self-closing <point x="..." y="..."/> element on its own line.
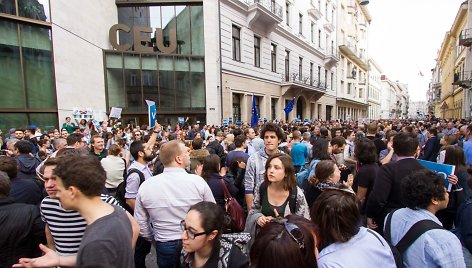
<point x="166" y="83"/>
<point x="11" y="87"/>
<point x="150" y="77"/>
<point x="312" y="32"/>
<point x="273" y="57"/>
<point x="287" y="13"/>
<point x="287" y="65"/>
<point x="183" y="30"/>
<point x="197" y="70"/>
<point x="257" y="51"/>
<point x="300" y="68"/>
<point x="182" y="82"/>
<point x="34" y="9"/>
<point x="116" y="92"/>
<point x="198" y="45"/>
<point x="132" y="75"/>
<point x="13" y="120"/>
<point x="45" y="121"/>
<point x="38" y="69"/>
<point x="8" y="6"/>
<point x="236" y="33"/>
<point x="300" y="24"/>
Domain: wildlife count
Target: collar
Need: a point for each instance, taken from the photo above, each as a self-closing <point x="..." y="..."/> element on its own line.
<point x="405" y="157"/>
<point x="175" y="169"/>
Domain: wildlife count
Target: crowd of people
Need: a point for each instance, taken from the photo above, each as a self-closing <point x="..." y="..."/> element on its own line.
<point x="310" y="194"/>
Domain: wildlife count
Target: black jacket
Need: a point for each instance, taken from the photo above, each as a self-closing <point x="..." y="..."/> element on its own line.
<point x="27" y="165"/>
<point x="214" y="181"/>
<point x="21" y="232"/>
<point x="431" y="149"/>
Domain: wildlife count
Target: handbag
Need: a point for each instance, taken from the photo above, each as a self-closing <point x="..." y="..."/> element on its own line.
<point x="234" y="210"/>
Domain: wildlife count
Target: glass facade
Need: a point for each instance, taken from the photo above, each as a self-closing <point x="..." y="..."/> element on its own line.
<point x="26" y="66"/>
<point x="175" y="81"/>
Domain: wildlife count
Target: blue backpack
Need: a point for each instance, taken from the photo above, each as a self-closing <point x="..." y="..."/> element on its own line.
<point x="306" y="173"/>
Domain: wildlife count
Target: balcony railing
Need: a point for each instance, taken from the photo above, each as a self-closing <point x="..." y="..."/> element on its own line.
<point x="270" y="5"/>
<point x="463" y="79"/>
<point x="304" y="80"/>
<point x="465" y="38"/>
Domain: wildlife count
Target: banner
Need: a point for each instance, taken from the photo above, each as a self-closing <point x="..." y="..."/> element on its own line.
<point x="115" y="112"/>
<point x="82" y="113"/>
<point x="442" y="169"/>
<point x="152" y="113"/>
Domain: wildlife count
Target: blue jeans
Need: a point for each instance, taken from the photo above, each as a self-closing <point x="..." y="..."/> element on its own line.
<point x="168" y="253"/>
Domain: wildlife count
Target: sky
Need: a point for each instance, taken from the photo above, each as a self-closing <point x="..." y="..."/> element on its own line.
<point x="405" y="36"/>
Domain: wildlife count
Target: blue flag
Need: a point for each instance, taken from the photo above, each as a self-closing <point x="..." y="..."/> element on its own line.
<point x="254" y="113"/>
<point x="289" y="106"/>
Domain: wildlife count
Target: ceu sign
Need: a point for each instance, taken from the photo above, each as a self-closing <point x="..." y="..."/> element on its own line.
<point x="138" y="38"/>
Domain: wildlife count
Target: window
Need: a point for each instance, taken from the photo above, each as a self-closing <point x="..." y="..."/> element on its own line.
<point x="257" y="51"/>
<point x="332" y="81"/>
<point x="312" y="30"/>
<point x="326" y="10"/>
<point x="326" y="79"/>
<point x="273" y="57"/>
<point x="360" y="93"/>
<point x="236" y="43"/>
<point x="319" y="38"/>
<point x="287" y="65"/>
<point x="319" y="75"/>
<point x="300" y="68"/>
<point x="311" y="73"/>
<point x="287" y="13"/>
<point x="349" y="85"/>
<point x="300" y="24"/>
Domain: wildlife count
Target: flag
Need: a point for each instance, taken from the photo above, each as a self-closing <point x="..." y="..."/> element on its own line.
<point x="254" y="113"/>
<point x="152" y="113"/>
<point x="289" y="107"/>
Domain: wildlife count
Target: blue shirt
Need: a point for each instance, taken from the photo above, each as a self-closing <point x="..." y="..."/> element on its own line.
<point x="435" y="248"/>
<point x="366" y="249"/>
<point x="299" y="154"/>
<point x="468" y="151"/>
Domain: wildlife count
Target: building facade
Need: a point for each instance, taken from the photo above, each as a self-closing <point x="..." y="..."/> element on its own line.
<point x="352" y="35"/>
<point x="433" y="95"/>
<point x="374" y="88"/>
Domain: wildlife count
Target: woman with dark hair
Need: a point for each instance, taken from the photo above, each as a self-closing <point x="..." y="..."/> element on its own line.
<point x="341" y="239"/>
<point x="278" y="195"/>
<point x="445" y="141"/>
<point x="236" y="171"/>
<point x="288" y="242"/>
<point x="327" y="174"/>
<point x="454" y="155"/>
<point x="366" y="155"/>
<point x="463" y="223"/>
<point x="202" y="231"/>
<point x="211" y="174"/>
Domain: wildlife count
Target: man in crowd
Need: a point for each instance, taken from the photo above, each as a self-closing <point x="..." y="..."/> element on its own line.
<point x="425" y="194"/>
<point x="27" y="163"/>
<point x="239" y="152"/>
<point x="167" y="206"/>
<point x="97" y="145"/>
<point x="386" y="194"/>
<point x="75" y="141"/>
<point x="22" y="229"/>
<point x="468" y="146"/>
<point x="19" y="134"/>
<point x="255" y="167"/>
<point x="197" y="155"/>
<point x="68" y="125"/>
<point x="372" y="135"/>
<point x="251" y="135"/>
<point x="299" y="151"/>
<point x="450" y="130"/>
<point x="432" y="146"/>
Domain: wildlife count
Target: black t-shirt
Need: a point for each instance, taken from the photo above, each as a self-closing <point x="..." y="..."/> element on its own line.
<point x="365" y="178"/>
<point x="379" y="144"/>
<point x="107" y="242"/>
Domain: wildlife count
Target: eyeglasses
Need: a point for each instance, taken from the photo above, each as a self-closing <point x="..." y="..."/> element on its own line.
<point x="137" y="134"/>
<point x="346" y="190"/>
<point x="189" y="233"/>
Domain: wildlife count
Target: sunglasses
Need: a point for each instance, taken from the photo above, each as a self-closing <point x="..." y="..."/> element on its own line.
<point x="190" y="234"/>
<point x="294" y="231"/>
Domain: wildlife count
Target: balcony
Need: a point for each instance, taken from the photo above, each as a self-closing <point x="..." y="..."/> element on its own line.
<point x="329" y="27"/>
<point x="331" y="57"/>
<point x="295" y="81"/>
<point x="351" y="8"/>
<point x="315" y="13"/>
<point x="352" y="53"/>
<point x="264" y="13"/>
<point x="465" y="38"/>
<point x="463" y="79"/>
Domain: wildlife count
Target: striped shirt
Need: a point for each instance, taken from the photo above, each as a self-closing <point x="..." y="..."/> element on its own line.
<point x="67" y="226"/>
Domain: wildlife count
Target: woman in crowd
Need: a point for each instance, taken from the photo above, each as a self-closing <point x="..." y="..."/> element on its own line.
<point x="463" y="223"/>
<point x="278" y="195"/>
<point x="115" y="168"/>
<point x="342" y="242"/>
<point x="349" y="159"/>
<point x="211" y="174"/>
<point x="455" y="156"/>
<point x="366" y="155"/>
<point x="236" y="171"/>
<point x="201" y="232"/>
<point x="288" y="242"/>
<point x="327" y="174"/>
<point x="445" y="141"/>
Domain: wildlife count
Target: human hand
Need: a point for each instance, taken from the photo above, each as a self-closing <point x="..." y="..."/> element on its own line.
<point x="390" y="146"/>
<point x="157" y="127"/>
<point x="371" y="223"/>
<point x="262" y="220"/>
<point x="49" y="259"/>
<point x="241" y="165"/>
<point x="453" y="179"/>
<point x="349" y="181"/>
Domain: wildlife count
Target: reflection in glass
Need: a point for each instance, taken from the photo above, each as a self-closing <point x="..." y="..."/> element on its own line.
<point x="183" y="29"/>
<point x="116" y="92"/>
<point x="197" y="73"/>
<point x="198" y="46"/>
<point x="38" y="70"/>
<point x="168" y="22"/>
<point x="7" y="6"/>
<point x="45" y="121"/>
<point x="150" y="78"/>
<point x="13" y="120"/>
<point x="133" y="82"/>
<point x="34" y="9"/>
<point x="10" y="71"/>
<point x="166" y="83"/>
<point x="182" y="82"/>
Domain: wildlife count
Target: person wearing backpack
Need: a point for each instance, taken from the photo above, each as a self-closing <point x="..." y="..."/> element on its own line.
<point x="424" y="194"/>
<point x="137" y="173"/>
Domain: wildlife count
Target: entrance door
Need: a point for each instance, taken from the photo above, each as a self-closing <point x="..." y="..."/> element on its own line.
<point x="300" y="108"/>
<point x="329" y="110"/>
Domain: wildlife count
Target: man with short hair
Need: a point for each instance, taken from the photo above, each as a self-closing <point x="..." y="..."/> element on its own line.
<point x="68" y="125"/>
<point x="432" y="146"/>
<point x="450" y="129"/>
<point x="197" y="155"/>
<point x="424" y="194"/>
<point x="75" y="140"/>
<point x="240" y="143"/>
<point x="21" y="229"/>
<point x="386" y="193"/>
<point x="372" y="129"/>
<point x="72" y="216"/>
<point x="58" y="144"/>
<point x="299" y="151"/>
<point x="251" y="135"/>
<point x="19" y="134"/>
<point x="97" y="145"/>
<point x="165" y="199"/>
<point x="27" y="163"/>
<point x="255" y="167"/>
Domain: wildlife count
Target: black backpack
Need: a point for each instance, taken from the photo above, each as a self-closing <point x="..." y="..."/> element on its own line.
<point x="408" y="239"/>
<point x="292" y="198"/>
<point x="121" y="189"/>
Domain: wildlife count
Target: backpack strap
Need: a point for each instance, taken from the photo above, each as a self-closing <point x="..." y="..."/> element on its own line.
<point x="415" y="232"/>
<point x="292" y="200"/>
<point x="388" y="224"/>
<point x="140" y="174"/>
<point x="262" y="191"/>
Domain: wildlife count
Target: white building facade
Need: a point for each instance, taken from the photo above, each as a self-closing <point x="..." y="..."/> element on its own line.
<point x="374" y="89"/>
